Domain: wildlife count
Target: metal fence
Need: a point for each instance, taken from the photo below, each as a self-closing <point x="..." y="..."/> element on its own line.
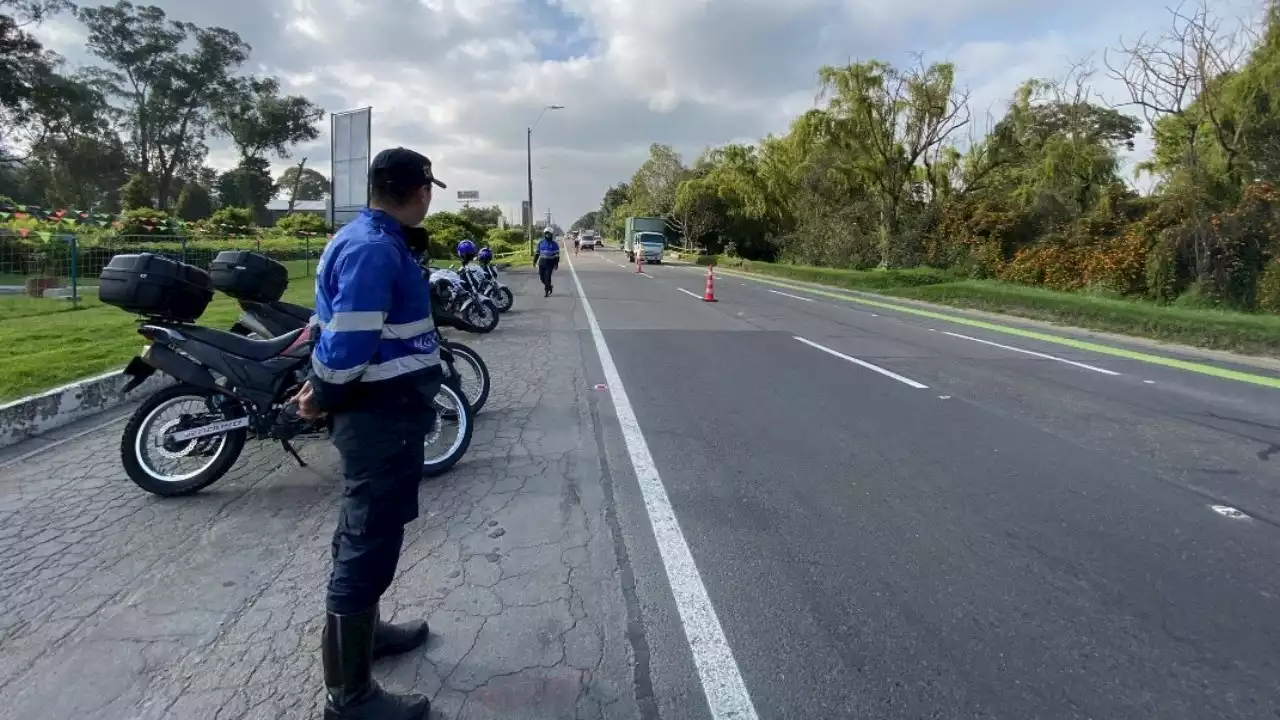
<point x="65" y="268"/>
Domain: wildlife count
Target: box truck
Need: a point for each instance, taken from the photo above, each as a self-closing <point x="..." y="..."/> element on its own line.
<point x="645" y="237"/>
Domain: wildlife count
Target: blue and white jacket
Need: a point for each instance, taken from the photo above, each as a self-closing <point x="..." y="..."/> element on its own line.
<point x="548" y="249"/>
<point x="373" y="307"/>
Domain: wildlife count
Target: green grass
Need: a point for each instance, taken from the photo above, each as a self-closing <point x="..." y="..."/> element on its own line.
<point x="46" y="342"/>
<point x="1254" y="333"/>
<point x="42" y="351"/>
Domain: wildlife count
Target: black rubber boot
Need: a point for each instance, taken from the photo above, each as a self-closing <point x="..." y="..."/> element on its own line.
<point x="347" y="648"/>
<point x="391" y="639"/>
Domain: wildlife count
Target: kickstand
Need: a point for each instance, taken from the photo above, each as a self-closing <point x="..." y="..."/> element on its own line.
<point x="293" y="452"/>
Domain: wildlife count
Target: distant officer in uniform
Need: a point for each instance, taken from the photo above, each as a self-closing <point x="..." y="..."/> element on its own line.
<point x="375" y="369"/>
<point x="548" y="259"/>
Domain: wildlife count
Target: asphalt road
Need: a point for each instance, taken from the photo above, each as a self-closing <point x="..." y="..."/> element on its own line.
<point x="786" y="504"/>
<point x="894" y="517"/>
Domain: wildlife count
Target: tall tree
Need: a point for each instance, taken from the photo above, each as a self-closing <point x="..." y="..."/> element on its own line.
<point x="883" y="120"/>
<point x="167" y="76"/>
<point x="260" y="121"/>
<point x="247" y="185"/>
<point x="311" y="184"/>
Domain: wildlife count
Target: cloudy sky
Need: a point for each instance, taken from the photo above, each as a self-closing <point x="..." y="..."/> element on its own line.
<point x="460" y="80"/>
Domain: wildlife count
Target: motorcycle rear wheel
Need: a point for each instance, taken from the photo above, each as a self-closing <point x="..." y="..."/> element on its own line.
<point x="221" y="451"/>
<point x="466" y="362"/>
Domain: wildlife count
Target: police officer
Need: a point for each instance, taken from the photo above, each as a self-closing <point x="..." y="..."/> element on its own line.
<point x="548" y="259"/>
<point x="375" y="370"/>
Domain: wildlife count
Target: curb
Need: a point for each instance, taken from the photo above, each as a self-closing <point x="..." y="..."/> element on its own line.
<point x="35" y="415"/>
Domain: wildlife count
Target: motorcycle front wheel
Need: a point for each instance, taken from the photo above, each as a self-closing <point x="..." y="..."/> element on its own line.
<point x="503" y="299"/>
<point x="482" y="316"/>
<point x="155" y="463"/>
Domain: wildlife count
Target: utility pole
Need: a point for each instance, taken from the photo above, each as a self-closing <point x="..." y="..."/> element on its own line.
<point x="528" y="148"/>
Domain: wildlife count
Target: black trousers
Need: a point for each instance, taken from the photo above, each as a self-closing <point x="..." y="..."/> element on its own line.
<point x="382" y="454"/>
<point x="545" y="267"/>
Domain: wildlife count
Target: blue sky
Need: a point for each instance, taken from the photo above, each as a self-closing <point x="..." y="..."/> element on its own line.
<point x="461" y="79"/>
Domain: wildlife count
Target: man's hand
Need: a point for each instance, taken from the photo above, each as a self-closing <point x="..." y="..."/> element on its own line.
<point x="307" y="407"/>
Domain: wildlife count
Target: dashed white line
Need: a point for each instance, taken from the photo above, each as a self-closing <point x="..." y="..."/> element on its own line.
<point x="722" y="683"/>
<point x="1230" y="512"/>
<point x="863" y="363"/>
<point x="1046" y="356"/>
<point x="797" y="297"/>
<point x="693" y="295"/>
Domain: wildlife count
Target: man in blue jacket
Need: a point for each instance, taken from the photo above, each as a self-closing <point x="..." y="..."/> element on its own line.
<point x="548" y="259"/>
<point x="375" y="370"/>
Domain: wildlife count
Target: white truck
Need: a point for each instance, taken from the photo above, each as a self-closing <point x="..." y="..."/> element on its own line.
<point x="645" y="237"/>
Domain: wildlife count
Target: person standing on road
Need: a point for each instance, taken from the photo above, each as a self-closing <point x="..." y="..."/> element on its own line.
<point x="375" y="371"/>
<point x="548" y="259"/>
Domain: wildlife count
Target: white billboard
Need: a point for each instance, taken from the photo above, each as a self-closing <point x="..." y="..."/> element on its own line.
<point x="350" y="144"/>
<point x="468" y="195"/>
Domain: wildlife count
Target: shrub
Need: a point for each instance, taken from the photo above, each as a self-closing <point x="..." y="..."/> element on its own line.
<point x="1269" y="288"/>
<point x="299" y="224"/>
<point x="230" y="222"/>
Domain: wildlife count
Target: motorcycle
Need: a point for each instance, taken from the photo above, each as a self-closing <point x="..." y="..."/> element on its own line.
<point x="461" y="362"/>
<point x="234" y="388"/>
<point x="486" y="280"/>
<point x="456" y="302"/>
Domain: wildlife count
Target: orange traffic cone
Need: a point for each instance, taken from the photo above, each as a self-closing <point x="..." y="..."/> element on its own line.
<point x="709" y="295"/>
<point x="639" y="261"/>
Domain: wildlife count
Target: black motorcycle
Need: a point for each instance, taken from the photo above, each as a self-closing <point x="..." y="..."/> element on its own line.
<point x="230" y="388"/>
<point x="264" y="315"/>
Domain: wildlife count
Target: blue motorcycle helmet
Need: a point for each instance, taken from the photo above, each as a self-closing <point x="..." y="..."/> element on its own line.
<point x="485" y="255"/>
<point x="466" y="249"/>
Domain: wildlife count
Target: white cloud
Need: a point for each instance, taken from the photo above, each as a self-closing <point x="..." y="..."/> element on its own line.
<point x="461" y="79"/>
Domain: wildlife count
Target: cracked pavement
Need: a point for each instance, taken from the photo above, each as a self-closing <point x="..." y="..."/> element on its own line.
<point x="118" y="604"/>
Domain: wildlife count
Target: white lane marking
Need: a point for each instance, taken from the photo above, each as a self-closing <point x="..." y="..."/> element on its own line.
<point x="863" y="363"/>
<point x="1104" y="371"/>
<point x="1149" y="382"/>
<point x="775" y="292"/>
<point x="62" y="441"/>
<point x="722" y="683"/>
<point x="1230" y="512"/>
<point x="693" y="295"/>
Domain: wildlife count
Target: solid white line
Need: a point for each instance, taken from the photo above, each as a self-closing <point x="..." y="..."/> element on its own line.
<point x="62" y="441"/>
<point x="1036" y="354"/>
<point x="645" y="275"/>
<point x="693" y="295"/>
<point x="722" y="683"/>
<point x="775" y="292"/>
<point x="863" y="363"/>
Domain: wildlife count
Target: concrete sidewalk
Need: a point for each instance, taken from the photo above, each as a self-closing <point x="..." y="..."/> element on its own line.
<point x="117" y="604"/>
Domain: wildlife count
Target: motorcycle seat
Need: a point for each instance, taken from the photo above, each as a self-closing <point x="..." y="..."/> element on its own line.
<point x="298" y="311"/>
<point x="256" y="350"/>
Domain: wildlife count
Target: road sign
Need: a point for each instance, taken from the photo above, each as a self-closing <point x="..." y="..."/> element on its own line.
<point x="468" y="195"/>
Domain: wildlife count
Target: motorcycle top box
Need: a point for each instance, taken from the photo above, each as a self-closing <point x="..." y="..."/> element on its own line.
<point x="249" y="276"/>
<point x="155" y="286"/>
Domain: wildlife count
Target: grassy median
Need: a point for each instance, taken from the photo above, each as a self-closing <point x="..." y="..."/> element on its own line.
<point x="1252" y="333"/>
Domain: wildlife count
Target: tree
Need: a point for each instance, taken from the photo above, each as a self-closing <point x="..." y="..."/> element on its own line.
<point x="136" y="193"/>
<point x="166" y="90"/>
<point x="654" y="185"/>
<point x="248" y="185"/>
<point x="260" y="121"/>
<point x="194" y="202"/>
<point x="589" y="221"/>
<point x="698" y="211"/>
<point x="484" y="217"/>
<point x="311" y="184"/>
<point x="883" y="121"/>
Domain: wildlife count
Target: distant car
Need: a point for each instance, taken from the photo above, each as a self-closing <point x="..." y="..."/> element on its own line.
<point x="599" y="241"/>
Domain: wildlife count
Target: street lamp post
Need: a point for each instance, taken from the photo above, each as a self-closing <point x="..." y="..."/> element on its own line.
<point x="528" y="147"/>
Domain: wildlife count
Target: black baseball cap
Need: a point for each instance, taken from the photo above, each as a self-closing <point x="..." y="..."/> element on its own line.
<point x="403" y="169"/>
